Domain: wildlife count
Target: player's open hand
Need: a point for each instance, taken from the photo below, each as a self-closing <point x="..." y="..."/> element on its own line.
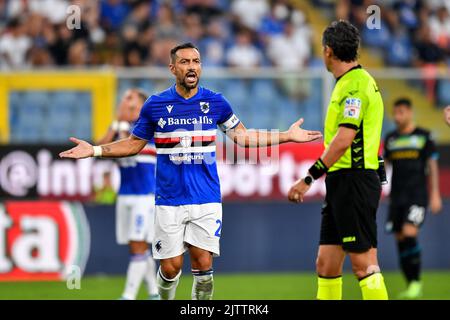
<point x="297" y="134"/>
<point x="82" y="150"/>
<point x="298" y="190"/>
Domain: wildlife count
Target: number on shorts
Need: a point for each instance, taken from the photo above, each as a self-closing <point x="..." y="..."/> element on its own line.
<point x="219" y="222"/>
<point x="416" y="214"/>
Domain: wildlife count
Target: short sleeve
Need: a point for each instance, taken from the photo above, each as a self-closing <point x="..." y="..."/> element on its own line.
<point x="227" y="119"/>
<point x="144" y="127"/>
<point x="352" y="108"/>
<point x="430" y="148"/>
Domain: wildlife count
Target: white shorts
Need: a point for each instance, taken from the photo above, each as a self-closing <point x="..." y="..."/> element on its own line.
<point x="135" y="218"/>
<point x="199" y="225"/>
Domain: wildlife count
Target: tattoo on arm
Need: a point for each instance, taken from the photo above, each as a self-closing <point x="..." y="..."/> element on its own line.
<point x="105" y="149"/>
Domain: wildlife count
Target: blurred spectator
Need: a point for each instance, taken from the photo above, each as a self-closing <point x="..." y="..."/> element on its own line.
<point x="78" y="54"/>
<point x="14" y="45"/>
<point x="213" y="44"/>
<point x="192" y="28"/>
<point x="113" y="13"/>
<point x="289" y="50"/>
<point x="440" y="28"/>
<point x="53" y="10"/>
<point x="243" y="53"/>
<point x="427" y="58"/>
<point x="427" y="51"/>
<point x="166" y="26"/>
<point x="273" y="22"/>
<point x="410" y="12"/>
<point x="399" y="49"/>
<point x="205" y="9"/>
<point x="250" y="12"/>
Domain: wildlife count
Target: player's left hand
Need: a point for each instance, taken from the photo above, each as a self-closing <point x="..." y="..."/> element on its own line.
<point x="297" y="134"/>
<point x="435" y="203"/>
<point x="298" y="190"/>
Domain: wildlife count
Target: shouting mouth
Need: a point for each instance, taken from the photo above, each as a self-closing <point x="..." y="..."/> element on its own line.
<point x="191" y="77"/>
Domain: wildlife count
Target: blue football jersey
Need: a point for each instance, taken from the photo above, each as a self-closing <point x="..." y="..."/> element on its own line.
<point x="137" y="173"/>
<point x="184" y="131"/>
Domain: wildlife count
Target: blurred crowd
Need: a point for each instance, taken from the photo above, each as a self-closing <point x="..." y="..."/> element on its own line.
<point x="412" y="32"/>
<point x="237" y="33"/>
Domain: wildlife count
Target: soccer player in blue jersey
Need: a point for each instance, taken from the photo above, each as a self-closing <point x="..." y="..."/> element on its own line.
<point x="135" y="205"/>
<point x="183" y="121"/>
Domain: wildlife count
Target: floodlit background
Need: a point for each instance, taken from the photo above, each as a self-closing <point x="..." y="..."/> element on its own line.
<point x="65" y="64"/>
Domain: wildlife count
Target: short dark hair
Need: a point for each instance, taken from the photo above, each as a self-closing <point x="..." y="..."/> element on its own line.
<point x="187" y="45"/>
<point x="141" y="93"/>
<point x="403" y="102"/>
<point x="343" y="38"/>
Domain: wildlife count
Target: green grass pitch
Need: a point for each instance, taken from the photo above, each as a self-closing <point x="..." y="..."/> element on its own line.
<point x="274" y="286"/>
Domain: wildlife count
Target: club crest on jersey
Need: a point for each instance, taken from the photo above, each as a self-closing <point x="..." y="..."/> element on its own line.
<point x="352" y="108"/>
<point x="204" y="106"/>
<point x="186" y="141"/>
<point x="161" y="123"/>
<point x="169" y="108"/>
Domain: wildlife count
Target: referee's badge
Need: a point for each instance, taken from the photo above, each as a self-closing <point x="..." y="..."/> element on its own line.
<point x="352" y="108"/>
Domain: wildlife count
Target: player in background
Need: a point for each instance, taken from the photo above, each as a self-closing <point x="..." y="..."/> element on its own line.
<point x="353" y="188"/>
<point x="135" y="204"/>
<point x="183" y="120"/>
<point x="447" y="115"/>
<point x="413" y="155"/>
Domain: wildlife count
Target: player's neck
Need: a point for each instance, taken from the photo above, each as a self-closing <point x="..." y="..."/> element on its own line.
<point x="343" y="67"/>
<point x="185" y="92"/>
<point x="409" y="128"/>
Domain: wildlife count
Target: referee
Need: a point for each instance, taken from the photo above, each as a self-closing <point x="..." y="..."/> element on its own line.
<point x="350" y="160"/>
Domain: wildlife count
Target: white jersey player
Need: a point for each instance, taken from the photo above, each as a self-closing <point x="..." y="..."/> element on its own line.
<point x="136" y="199"/>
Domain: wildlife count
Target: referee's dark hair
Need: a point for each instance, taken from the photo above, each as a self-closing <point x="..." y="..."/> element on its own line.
<point x="343" y="38"/>
<point x="403" y="102"/>
<point x="173" y="51"/>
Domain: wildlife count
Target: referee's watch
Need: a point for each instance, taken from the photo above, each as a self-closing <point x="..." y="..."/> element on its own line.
<point x="308" y="180"/>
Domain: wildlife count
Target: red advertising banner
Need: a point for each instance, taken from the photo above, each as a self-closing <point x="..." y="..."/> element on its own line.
<point x="36" y="172"/>
<point x="42" y="240"/>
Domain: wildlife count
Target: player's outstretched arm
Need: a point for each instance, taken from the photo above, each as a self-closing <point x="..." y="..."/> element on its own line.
<point x="121" y="148"/>
<point x="265" y="138"/>
<point x="340" y="143"/>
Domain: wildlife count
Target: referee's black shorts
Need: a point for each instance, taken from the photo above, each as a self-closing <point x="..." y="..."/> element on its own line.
<point x="349" y="212"/>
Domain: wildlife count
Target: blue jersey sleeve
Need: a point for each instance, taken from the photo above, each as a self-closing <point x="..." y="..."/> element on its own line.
<point x="228" y="120"/>
<point x="144" y="127"/>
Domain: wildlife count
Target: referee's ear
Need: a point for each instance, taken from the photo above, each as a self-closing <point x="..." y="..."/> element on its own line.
<point x="328" y="51"/>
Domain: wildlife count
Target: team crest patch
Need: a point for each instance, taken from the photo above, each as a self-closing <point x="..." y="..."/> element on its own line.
<point x="352" y="108"/>
<point x="204" y="106"/>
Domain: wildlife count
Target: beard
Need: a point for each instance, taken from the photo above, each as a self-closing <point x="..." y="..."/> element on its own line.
<point x="187" y="83"/>
<point x="190" y="85"/>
